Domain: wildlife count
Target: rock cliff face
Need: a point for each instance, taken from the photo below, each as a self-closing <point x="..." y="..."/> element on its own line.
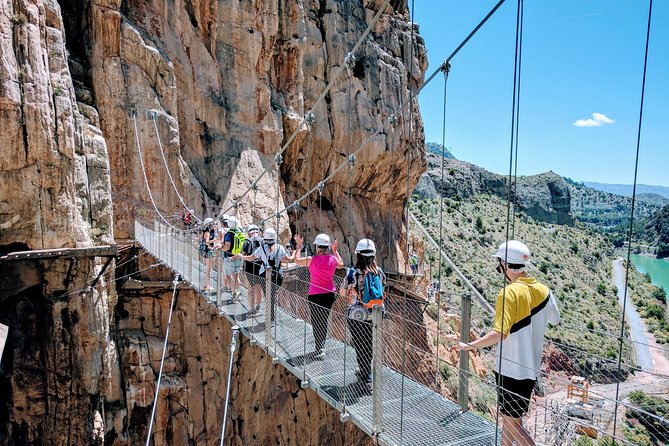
<point x="230" y="82"/>
<point x="545" y="197"/>
<point x="54" y="166"/>
<point x="100" y="99"/>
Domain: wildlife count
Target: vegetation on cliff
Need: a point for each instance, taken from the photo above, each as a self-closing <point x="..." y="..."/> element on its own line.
<point x="656" y="230"/>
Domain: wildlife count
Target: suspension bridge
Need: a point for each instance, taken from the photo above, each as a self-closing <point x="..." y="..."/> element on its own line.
<point x="407" y="403"/>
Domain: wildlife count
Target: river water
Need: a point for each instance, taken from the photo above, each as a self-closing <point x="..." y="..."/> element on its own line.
<point x="657" y="268"/>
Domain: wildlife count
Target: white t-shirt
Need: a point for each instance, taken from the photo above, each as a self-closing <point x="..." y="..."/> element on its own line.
<point x="528" y="306"/>
<point x="265" y="251"/>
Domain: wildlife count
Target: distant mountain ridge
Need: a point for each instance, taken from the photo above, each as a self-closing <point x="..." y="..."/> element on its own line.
<point x="544" y="197"/>
<point x="626" y="189"/>
<point x="438" y="149"/>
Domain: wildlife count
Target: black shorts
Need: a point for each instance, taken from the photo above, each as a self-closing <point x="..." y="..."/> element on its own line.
<point x="514" y="395"/>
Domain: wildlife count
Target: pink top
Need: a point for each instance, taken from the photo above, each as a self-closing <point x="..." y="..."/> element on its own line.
<point x="322" y="268"/>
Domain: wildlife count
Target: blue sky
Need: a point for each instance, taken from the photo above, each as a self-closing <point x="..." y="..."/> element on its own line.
<point x="582" y="64"/>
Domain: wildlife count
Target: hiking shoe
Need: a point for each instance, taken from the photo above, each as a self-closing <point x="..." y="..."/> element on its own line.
<point x="319" y="355"/>
<point x="363" y="376"/>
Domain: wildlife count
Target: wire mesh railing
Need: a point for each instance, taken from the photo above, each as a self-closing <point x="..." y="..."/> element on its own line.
<point x="399" y="380"/>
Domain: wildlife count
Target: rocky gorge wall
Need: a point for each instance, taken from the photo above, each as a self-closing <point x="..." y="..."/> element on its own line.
<point x="227" y="83"/>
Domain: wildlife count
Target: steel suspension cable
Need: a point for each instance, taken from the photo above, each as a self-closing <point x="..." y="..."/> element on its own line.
<point x="335" y="76"/>
<point x="146" y="180"/>
<point x="508" y="208"/>
<point x="519" y="44"/>
<point x="406" y="214"/>
<point x="167" y="168"/>
<point x="441" y="214"/>
<point x="162" y="360"/>
<point x="631" y="226"/>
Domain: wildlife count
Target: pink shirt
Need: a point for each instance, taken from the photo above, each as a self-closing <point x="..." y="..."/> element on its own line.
<point x="322" y="268"/>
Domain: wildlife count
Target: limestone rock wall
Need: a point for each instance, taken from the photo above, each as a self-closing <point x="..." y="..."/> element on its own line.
<point x="95" y="97"/>
<point x="56" y="192"/>
<point x="54" y="166"/>
<point x="230" y="82"/>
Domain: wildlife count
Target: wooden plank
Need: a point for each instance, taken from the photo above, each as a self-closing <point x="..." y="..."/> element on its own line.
<point x="94" y="251"/>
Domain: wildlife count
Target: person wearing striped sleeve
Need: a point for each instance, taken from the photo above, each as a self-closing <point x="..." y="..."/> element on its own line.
<point x="523" y="309"/>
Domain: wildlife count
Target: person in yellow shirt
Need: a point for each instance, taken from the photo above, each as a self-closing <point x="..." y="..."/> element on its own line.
<point x="523" y="309"/>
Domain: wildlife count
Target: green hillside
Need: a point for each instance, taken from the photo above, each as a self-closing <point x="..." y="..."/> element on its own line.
<point x="575" y="262"/>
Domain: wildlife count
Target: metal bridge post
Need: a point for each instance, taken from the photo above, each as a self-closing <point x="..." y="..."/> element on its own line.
<point x="377" y="381"/>
<point x="189" y="253"/>
<point x="465" y="318"/>
<point x="268" y="307"/>
<point x="219" y="275"/>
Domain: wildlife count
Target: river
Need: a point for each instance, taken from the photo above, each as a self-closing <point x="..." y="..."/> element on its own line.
<point x="657" y="268"/>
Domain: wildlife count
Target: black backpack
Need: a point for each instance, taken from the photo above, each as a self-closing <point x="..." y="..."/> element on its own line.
<point x="275" y="264"/>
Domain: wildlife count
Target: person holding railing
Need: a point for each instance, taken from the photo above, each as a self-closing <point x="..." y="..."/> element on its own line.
<point x="207" y="245"/>
<point x="322" y="290"/>
<point x="252" y="268"/>
<point x="524" y="307"/>
<point x="270" y="253"/>
<point x="364" y="286"/>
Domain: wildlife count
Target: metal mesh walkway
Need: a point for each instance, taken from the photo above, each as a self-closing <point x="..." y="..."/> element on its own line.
<point x="412" y="413"/>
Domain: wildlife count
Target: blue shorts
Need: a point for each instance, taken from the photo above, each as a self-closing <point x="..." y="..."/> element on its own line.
<point x="231" y="266"/>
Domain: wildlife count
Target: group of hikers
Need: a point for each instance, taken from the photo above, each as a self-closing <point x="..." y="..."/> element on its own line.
<point x="523" y="309"/>
<point x="259" y="253"/>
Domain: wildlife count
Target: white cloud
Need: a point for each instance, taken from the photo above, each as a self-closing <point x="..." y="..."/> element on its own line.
<point x="597" y="120"/>
<point x="601" y="117"/>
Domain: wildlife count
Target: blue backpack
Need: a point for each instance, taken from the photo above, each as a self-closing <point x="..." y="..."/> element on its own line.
<point x="372" y="292"/>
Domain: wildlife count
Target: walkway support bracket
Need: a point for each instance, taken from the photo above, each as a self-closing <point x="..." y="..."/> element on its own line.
<point x="233" y="348"/>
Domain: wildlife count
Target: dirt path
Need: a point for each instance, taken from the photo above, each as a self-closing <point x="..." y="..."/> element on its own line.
<point x="651" y="357"/>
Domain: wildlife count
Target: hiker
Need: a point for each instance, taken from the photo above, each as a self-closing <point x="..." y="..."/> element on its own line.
<point x="233" y="240"/>
<point x="252" y="268"/>
<point x="322" y="290"/>
<point x="206" y="248"/>
<point x="271" y="254"/>
<point x="220" y="242"/>
<point x="524" y="307"/>
<point x="414" y="263"/>
<point x="187" y="219"/>
<point x="365" y="283"/>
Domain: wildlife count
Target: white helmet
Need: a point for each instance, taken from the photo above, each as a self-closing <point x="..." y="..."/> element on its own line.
<point x="232" y="222"/>
<point x="365" y="247"/>
<point x="252" y="228"/>
<point x="192" y="211"/>
<point x="513" y="252"/>
<point x="269" y="236"/>
<point x="207" y="221"/>
<point x="322" y="240"/>
<point x="224" y="218"/>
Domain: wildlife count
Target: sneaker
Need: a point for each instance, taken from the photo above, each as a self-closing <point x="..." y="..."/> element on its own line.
<point x="319" y="355"/>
